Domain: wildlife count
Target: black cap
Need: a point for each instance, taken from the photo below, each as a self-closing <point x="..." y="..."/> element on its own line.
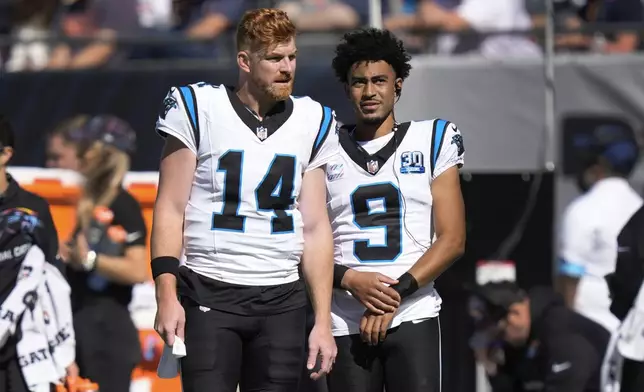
<point x="614" y="142"/>
<point x="108" y="129"/>
<point x="497" y="297"/>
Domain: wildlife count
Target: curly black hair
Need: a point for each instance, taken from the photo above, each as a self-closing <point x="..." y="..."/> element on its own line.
<point x="370" y="45"/>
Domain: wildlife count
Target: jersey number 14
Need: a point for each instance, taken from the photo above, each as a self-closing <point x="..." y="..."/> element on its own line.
<point x="274" y="193"/>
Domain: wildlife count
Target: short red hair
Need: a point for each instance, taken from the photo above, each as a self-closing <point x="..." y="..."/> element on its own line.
<point x="263" y="28"/>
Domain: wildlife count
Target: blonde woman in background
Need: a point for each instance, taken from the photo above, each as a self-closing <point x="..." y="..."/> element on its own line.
<point x="106" y="255"/>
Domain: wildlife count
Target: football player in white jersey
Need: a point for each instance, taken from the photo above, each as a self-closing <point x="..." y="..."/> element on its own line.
<point x="588" y="248"/>
<point x="242" y="183"/>
<point x="398" y="222"/>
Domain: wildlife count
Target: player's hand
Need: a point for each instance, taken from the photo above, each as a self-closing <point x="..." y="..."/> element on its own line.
<point x="321" y="344"/>
<point x="72" y="371"/>
<point x="170" y="319"/>
<point x="77" y="252"/>
<point x="372" y="290"/>
<point x="373" y="327"/>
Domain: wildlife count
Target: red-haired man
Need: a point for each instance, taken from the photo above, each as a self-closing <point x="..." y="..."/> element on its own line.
<point x="242" y="190"/>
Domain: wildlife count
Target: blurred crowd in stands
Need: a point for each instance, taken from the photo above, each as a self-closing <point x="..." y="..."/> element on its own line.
<point x="81" y="34"/>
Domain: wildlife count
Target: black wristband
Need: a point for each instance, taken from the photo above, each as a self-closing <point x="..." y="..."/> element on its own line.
<point x="338" y="273"/>
<point x="406" y="286"/>
<point x="165" y="265"/>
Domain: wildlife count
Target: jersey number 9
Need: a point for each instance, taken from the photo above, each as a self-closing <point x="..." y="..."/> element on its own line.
<point x="378" y="206"/>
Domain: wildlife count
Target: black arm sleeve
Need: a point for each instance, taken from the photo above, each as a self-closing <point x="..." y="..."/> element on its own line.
<point x="338" y="273"/>
<point x="572" y="364"/>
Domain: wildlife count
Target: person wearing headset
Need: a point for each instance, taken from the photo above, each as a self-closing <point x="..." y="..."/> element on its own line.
<point x="591" y="223"/>
<point x="398" y="222"/>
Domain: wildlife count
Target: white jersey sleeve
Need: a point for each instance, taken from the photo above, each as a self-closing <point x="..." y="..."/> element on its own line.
<point x="575" y="243"/>
<point x="326" y="143"/>
<point x="447" y="148"/>
<point x="178" y="117"/>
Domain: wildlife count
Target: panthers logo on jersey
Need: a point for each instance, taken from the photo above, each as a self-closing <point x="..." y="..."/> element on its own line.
<point x="458" y="140"/>
<point x="168" y="103"/>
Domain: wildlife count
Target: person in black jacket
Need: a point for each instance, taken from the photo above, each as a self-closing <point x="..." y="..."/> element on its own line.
<point x="530" y="341"/>
<point x="625" y="284"/>
<point x="12" y="245"/>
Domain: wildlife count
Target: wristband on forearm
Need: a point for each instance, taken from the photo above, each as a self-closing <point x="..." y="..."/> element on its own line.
<point x="406" y="286"/>
<point x="165" y="265"/>
<point x="338" y="273"/>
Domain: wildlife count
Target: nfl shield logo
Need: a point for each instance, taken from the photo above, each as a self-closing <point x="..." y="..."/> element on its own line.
<point x="372" y="167"/>
<point x="262" y="133"/>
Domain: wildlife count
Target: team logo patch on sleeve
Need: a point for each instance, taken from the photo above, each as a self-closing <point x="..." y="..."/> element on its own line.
<point x="168" y="103"/>
<point x="458" y="140"/>
<point x="412" y="162"/>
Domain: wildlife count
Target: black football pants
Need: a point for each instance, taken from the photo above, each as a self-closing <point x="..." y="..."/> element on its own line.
<point x="409" y="360"/>
<point x="261" y="353"/>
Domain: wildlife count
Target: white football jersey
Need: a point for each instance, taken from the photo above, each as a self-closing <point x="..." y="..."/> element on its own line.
<point x="242" y="223"/>
<point x="380" y="207"/>
<point x="588" y="244"/>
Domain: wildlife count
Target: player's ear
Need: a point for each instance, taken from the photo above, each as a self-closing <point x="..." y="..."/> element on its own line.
<point x="398" y="87"/>
<point x="243" y="60"/>
<point x="346" y="90"/>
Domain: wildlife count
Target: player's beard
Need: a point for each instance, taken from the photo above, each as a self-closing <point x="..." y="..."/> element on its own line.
<point x="280" y="91"/>
<point x="373" y="120"/>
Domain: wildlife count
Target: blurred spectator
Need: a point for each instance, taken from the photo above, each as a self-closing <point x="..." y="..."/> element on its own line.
<point x="401" y="15"/>
<point x="62" y="148"/>
<point x="605" y="11"/>
<point x="32" y="19"/>
<point x="102" y="20"/>
<point x="204" y="20"/>
<point x="492" y="16"/>
<point x="564" y="10"/>
<point x="320" y="15"/>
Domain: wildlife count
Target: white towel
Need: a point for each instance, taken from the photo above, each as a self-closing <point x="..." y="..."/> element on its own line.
<point x="169" y="363"/>
<point x="48" y="343"/>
